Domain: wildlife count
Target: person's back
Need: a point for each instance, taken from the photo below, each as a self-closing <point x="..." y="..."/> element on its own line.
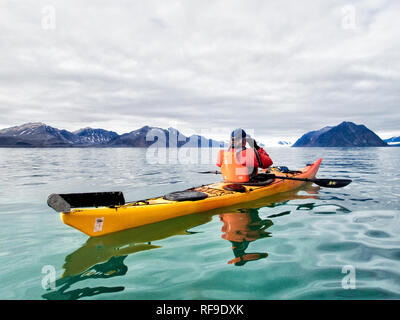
<point x="240" y="164"/>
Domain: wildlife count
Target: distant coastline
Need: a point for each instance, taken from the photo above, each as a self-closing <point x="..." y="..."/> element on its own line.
<point x="40" y="135"/>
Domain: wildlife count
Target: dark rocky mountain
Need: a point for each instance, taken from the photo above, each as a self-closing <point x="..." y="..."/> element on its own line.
<point x="95" y="136"/>
<point x="196" y="141"/>
<point x="346" y="134"/>
<point x="139" y="138"/>
<point x="35" y="134"/>
<point x="309" y="138"/>
<point x="40" y="135"/>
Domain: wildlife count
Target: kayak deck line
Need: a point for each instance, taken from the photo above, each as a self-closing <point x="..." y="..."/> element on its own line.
<point x="216" y="191"/>
<point x="105" y="220"/>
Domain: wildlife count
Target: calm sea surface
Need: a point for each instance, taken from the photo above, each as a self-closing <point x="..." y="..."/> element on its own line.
<point x="311" y="244"/>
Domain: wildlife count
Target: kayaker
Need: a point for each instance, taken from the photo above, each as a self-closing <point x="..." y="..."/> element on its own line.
<point x="240" y="164"/>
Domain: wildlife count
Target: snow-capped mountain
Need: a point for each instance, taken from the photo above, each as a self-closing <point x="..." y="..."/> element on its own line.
<point x="146" y="136"/>
<point x="393" y="141"/>
<point x="36" y="134"/>
<point x="284" y="143"/>
<point x="95" y="136"/>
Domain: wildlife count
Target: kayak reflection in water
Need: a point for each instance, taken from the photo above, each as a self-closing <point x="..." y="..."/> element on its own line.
<point x="240" y="164"/>
<point x="242" y="228"/>
<point x="101" y="258"/>
<point x="112" y="268"/>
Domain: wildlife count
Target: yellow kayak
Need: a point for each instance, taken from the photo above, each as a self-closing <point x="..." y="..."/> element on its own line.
<point x="109" y="219"/>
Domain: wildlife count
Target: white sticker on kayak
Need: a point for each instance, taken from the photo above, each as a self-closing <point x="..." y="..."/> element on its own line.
<point x="98" y="224"/>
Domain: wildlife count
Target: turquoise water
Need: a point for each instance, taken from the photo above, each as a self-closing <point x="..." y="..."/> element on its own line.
<point x="295" y="246"/>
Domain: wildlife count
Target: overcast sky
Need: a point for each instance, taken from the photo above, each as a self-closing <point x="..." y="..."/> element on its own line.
<point x="279" y="68"/>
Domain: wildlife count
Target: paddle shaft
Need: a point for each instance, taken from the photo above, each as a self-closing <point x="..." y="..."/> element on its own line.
<point x="292" y="178"/>
<point x="327" y="183"/>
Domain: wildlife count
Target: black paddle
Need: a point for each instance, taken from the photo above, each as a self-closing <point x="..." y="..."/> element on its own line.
<point x="327" y="183"/>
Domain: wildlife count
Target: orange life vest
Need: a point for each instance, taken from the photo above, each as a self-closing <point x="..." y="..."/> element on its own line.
<point x="234" y="170"/>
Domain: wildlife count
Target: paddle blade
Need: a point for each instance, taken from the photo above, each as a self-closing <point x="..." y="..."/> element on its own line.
<point x="64" y="202"/>
<point x="332" y="183"/>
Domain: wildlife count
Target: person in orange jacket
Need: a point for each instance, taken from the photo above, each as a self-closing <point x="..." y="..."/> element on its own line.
<point x="240" y="164"/>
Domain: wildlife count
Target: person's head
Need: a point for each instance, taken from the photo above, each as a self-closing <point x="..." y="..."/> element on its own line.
<point x="238" y="138"/>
